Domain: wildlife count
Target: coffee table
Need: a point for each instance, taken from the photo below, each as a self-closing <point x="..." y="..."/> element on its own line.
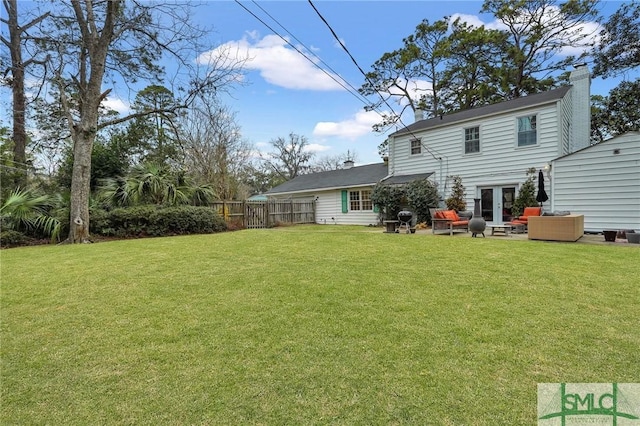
<point x="505" y="228"/>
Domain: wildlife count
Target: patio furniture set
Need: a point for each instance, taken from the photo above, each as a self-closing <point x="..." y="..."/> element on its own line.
<point x="565" y="227"/>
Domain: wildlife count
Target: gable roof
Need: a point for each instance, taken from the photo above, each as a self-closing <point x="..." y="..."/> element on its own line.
<point x="473" y="113"/>
<point x="369" y="174"/>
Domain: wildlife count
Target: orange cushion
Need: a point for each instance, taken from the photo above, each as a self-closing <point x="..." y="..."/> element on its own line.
<point x="451" y="215"/>
<point x="460" y="222"/>
<point x="531" y="211"/>
<point x="439" y="215"/>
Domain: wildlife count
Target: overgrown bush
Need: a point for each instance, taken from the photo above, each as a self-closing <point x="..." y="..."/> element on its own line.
<point x="100" y="222"/>
<point x="185" y="220"/>
<point x="421" y="194"/>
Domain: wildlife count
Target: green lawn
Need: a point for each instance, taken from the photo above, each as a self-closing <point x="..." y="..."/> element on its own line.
<point x="310" y="325"/>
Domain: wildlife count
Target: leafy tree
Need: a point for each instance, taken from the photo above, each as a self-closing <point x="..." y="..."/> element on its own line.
<point x="290" y="157"/>
<point x="474" y="65"/>
<point x="90" y="40"/>
<point x="538" y="30"/>
<point x="153" y="135"/>
<point x="477" y="66"/>
<point x="424" y="53"/>
<point x="619" y="48"/>
<point x="108" y="160"/>
<point x="394" y="75"/>
<point x="527" y="194"/>
<point x="456" y="200"/>
<point x="617" y="113"/>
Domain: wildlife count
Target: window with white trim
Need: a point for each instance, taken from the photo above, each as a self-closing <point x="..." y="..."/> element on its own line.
<point x="527" y="133"/>
<point x="360" y="200"/>
<point x="472" y="140"/>
<point x="416" y="146"/>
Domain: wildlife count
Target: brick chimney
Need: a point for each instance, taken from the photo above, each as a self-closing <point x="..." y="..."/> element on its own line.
<point x="580" y="80"/>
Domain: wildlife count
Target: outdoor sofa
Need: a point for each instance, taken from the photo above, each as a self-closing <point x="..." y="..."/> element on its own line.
<point x="447" y="221"/>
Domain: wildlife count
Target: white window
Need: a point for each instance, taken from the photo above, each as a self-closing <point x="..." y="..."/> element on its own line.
<point x="360" y="200"/>
<point x="416" y="146"/>
<point x="472" y="140"/>
<point x="527" y="134"/>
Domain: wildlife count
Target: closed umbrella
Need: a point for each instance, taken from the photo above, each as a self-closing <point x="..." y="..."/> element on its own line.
<point x="542" y="194"/>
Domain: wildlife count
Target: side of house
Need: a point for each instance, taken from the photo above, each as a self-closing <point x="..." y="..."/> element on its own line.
<point x="602" y="182"/>
<point x="343" y="197"/>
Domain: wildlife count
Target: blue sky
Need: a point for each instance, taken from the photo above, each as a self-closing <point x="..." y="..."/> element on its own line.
<point x="284" y="93"/>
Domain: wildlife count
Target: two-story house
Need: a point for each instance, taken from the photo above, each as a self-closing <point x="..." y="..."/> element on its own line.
<point x="492" y="147"/>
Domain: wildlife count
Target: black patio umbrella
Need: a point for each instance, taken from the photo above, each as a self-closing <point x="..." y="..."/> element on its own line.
<point x="542" y="194"/>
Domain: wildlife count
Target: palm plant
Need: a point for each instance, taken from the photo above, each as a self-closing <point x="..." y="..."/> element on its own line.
<point x="201" y="195"/>
<point x="148" y="183"/>
<point x="25" y="211"/>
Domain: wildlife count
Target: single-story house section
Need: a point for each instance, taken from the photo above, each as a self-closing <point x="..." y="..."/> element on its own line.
<point x="602" y="182"/>
<point x="342" y="196"/>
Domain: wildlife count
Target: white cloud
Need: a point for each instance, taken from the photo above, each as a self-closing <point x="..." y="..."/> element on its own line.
<point x="316" y="147"/>
<point x="116" y="105"/>
<point x="351" y="128"/>
<point x="277" y="62"/>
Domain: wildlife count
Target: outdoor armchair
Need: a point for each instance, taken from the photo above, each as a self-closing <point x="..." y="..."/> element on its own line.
<point x="526" y="214"/>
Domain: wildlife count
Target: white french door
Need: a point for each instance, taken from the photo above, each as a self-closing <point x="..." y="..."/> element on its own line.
<point x="496" y="203"/>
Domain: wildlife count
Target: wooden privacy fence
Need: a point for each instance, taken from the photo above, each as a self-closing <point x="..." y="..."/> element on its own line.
<point x="264" y="214"/>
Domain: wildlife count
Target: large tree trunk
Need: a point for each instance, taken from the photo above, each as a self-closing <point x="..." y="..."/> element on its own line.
<point x="92" y="67"/>
<point x="17" y="86"/>
<point x="19" y="132"/>
<point x="81" y="187"/>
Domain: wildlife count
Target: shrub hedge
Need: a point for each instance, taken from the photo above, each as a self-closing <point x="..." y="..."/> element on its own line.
<point x="156" y="221"/>
<point x="11" y="238"/>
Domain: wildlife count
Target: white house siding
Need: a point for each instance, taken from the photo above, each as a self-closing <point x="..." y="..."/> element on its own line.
<point x="600" y="184"/>
<point x="329" y="209"/>
<point x="499" y="162"/>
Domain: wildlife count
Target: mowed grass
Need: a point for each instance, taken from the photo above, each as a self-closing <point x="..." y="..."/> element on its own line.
<point x="310" y="325"/>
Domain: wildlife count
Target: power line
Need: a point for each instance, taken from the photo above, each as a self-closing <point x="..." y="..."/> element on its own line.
<point x="341" y="83"/>
<point x="367" y="78"/>
<point x="355" y="91"/>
